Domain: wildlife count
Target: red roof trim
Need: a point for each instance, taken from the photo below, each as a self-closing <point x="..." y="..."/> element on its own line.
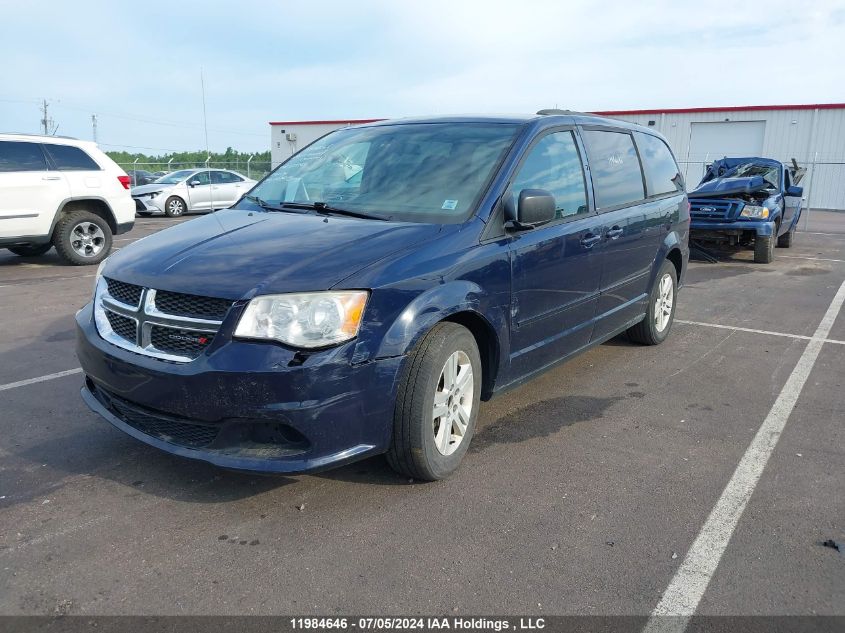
<point x="803" y="106"/>
<point x="349" y="121"/>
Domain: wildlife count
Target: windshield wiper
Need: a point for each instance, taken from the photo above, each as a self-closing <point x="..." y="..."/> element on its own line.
<point x="270" y="207"/>
<point x="323" y="207"/>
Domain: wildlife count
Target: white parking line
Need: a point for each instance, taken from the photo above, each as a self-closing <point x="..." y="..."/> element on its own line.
<point x="752" y="331"/>
<point x="681" y="598"/>
<point x="26" y="282"/>
<point x="816" y="259"/>
<point x="31" y="381"/>
<point x="820" y="233"/>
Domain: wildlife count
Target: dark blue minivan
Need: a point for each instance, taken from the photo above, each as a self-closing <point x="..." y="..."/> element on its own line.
<point x="368" y="293"/>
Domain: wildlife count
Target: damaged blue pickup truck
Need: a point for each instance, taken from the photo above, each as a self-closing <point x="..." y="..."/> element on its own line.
<point x="747" y="202"/>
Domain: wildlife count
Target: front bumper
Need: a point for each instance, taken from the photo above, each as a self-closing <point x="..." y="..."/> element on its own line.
<point x="146" y="205"/>
<point x="244" y="405"/>
<point x="758" y="227"/>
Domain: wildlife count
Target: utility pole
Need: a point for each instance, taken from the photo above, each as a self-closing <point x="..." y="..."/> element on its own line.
<point x="47" y="123"/>
<point x="94" y="126"/>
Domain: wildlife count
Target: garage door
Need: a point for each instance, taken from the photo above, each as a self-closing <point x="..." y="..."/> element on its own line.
<point x="709" y="141"/>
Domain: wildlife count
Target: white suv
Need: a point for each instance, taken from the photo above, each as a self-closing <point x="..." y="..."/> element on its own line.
<point x="61" y="192"/>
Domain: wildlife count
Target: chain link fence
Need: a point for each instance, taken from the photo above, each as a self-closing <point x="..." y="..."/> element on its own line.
<point x="249" y="168"/>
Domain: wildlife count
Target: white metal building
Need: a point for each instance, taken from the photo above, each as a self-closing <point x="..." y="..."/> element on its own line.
<point x="288" y="137"/>
<point x="813" y="134"/>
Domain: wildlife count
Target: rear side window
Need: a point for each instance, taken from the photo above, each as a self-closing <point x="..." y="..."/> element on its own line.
<point x="661" y="170"/>
<point x="553" y="164"/>
<point x="224" y="177"/>
<point x="617" y="177"/>
<point x="69" y="158"/>
<point x="16" y="156"/>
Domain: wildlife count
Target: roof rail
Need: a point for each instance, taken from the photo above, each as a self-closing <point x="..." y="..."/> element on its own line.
<point x="556" y="111"/>
<point x="70" y="138"/>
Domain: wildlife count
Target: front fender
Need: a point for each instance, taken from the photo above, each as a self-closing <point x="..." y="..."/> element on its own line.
<point x="431" y="307"/>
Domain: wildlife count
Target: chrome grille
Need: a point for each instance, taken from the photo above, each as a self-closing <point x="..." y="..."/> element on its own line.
<point x="151" y="327"/>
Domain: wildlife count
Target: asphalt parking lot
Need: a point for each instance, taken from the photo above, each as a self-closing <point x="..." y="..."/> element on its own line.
<point x="585" y="491"/>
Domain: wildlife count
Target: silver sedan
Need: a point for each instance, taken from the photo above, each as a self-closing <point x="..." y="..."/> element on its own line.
<point x="191" y="190"/>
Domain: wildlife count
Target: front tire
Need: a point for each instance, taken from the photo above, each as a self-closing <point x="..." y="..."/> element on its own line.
<point x="436" y="404"/>
<point x="785" y="240"/>
<point x="82" y="238"/>
<point x="174" y="207"/>
<point x="660" y="313"/>
<point x="31" y="251"/>
<point x="764" y="249"/>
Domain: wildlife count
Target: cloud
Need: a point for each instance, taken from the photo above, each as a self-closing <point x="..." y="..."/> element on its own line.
<point x="269" y="60"/>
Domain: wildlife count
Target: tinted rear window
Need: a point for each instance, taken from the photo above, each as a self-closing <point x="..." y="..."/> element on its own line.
<point x="69" y="158"/>
<point x="17" y="156"/>
<point x="661" y="170"/>
<point x="617" y="177"/>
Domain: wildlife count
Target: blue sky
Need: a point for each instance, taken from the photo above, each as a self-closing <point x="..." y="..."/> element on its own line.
<point x="137" y="65"/>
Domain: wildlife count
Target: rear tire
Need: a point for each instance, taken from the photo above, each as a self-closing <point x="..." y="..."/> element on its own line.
<point x="82" y="238"/>
<point x="174" y="207"/>
<point x="436" y="404"/>
<point x="660" y="313"/>
<point x="764" y="249"/>
<point x="31" y="251"/>
<point x="785" y="240"/>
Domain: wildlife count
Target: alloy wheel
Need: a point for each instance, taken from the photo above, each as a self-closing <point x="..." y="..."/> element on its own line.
<point x="176" y="207"/>
<point x="87" y="239"/>
<point x="663" y="303"/>
<point x="453" y="402"/>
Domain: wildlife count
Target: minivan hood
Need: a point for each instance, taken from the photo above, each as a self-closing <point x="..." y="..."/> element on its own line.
<point x="237" y="253"/>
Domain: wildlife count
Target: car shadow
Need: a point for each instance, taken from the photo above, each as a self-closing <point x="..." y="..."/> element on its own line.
<point x="50" y="258"/>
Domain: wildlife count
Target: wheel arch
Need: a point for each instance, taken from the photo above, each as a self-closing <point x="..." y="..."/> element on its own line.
<point x="674" y="256"/>
<point x="488" y="346"/>
<point x="462" y="302"/>
<point x="672" y="250"/>
<point x="97" y="206"/>
<point x="178" y="196"/>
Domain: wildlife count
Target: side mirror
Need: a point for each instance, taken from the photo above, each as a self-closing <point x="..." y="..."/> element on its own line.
<point x="534" y="208"/>
<point x="795" y="191"/>
<point x="193" y="183"/>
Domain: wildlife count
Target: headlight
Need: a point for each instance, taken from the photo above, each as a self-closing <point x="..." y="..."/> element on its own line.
<point x="312" y="319"/>
<point x="751" y="211"/>
<point x="99" y="273"/>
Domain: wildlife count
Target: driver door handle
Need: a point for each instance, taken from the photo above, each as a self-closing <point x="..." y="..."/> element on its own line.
<point x="590" y="240"/>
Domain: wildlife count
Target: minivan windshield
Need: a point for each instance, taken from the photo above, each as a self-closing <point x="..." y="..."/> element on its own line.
<point x="175" y="177"/>
<point x="414" y="172"/>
